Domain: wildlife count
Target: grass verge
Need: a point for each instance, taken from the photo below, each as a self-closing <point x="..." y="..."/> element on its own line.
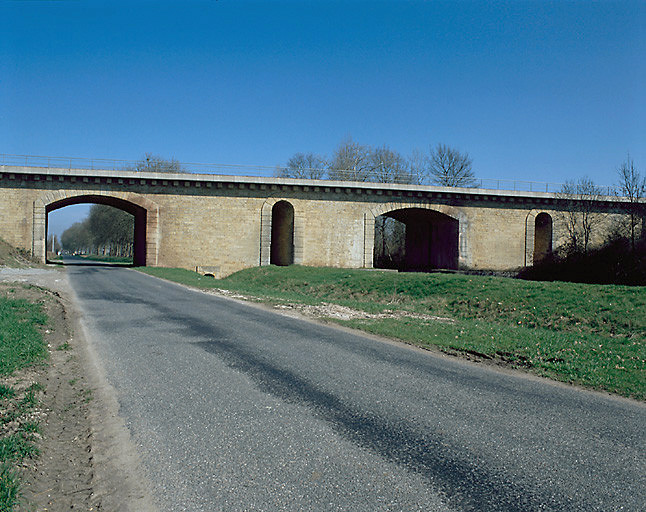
<point x="107" y="259"/>
<point x="21" y="346"/>
<point x="590" y="335"/>
<point x="54" y="258"/>
<point x="21" y="343"/>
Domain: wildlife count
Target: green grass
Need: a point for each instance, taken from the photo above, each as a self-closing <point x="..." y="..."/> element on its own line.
<point x="21" y="343"/>
<point x="107" y="259"/>
<point x="16" y="447"/>
<point x="21" y="346"/>
<point x="9" y="488"/>
<point x="591" y="335"/>
<point x="6" y="392"/>
<point x="64" y="346"/>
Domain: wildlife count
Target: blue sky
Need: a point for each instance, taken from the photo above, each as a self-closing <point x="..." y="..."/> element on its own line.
<point x="542" y="91"/>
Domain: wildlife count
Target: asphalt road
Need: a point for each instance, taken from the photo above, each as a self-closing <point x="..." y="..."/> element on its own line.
<point x="233" y="407"/>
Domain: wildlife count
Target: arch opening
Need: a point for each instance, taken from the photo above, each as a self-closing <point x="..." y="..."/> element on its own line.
<point x="416" y="240"/>
<point x="542" y="237"/>
<point x="137" y="220"/>
<point x="282" y="234"/>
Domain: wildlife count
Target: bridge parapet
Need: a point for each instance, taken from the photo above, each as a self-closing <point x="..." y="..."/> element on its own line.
<point x="245" y="170"/>
<point x="193" y="180"/>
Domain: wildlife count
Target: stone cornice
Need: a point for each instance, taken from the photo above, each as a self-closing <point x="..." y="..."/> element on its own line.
<point x="422" y="192"/>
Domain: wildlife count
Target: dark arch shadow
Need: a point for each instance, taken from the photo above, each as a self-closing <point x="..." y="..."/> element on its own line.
<point x="429" y="240"/>
<point x="282" y="234"/>
<point x="139" y="213"/>
<point x="542" y="237"/>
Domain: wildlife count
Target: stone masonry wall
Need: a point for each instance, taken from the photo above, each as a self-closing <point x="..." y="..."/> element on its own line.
<point x="220" y="227"/>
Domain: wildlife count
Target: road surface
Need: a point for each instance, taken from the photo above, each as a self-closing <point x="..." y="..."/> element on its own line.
<point x="233" y="407"/>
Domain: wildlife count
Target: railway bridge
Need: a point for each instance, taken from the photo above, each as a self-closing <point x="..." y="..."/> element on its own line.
<point x="219" y="224"/>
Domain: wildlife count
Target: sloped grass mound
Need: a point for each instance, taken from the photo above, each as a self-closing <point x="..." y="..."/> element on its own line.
<point x="12" y="257"/>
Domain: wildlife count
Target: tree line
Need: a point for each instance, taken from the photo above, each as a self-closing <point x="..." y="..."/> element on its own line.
<point x="439" y="165"/>
<point x="620" y="257"/>
<point x="106" y="230"/>
<point x="581" y="221"/>
<point x="155" y="163"/>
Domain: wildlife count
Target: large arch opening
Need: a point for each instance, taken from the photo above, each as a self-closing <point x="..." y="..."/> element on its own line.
<point x="416" y="240"/>
<point x="542" y="237"/>
<point x="282" y="234"/>
<point x="137" y="214"/>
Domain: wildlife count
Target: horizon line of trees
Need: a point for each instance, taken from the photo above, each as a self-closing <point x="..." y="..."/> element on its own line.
<point x="581" y="220"/>
<point x="156" y="163"/>
<point x="620" y="255"/>
<point x="439" y="165"/>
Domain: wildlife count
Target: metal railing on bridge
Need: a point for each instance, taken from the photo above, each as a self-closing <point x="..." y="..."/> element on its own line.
<point x="109" y="164"/>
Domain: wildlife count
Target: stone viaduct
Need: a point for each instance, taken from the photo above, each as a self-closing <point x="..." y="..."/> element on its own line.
<point x="220" y="224"/>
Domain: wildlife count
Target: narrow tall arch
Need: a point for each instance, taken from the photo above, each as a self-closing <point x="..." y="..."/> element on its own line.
<point x="542" y="237"/>
<point x="282" y="234"/>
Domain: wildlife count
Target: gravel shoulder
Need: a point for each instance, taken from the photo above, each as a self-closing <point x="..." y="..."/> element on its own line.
<point x="86" y="461"/>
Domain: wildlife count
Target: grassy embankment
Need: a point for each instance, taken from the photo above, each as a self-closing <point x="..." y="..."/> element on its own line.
<point x="107" y="259"/>
<point x="12" y="257"/>
<point x="591" y="335"/>
<point x="21" y="346"/>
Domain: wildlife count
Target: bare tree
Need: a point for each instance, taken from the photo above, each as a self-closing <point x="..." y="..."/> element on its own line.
<point x="390" y="241"/>
<point x="351" y="162"/>
<point x="303" y="165"/>
<point x="389" y="166"/>
<point x="154" y="163"/>
<point x="418" y="167"/>
<point x="578" y="216"/>
<point x="632" y="185"/>
<point x="449" y="167"/>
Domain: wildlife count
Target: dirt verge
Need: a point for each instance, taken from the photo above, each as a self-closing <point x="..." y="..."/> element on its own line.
<point x="86" y="460"/>
<point x="61" y="478"/>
